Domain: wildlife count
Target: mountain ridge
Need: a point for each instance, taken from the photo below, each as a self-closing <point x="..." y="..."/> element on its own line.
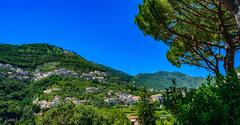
<point x="163" y="80"/>
<point x="35" y="78"/>
<point x="47" y="57"/>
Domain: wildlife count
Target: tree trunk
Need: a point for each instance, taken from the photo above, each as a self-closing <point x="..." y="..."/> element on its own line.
<point x="237" y="17"/>
<point x="233" y="6"/>
<point x="229" y="59"/>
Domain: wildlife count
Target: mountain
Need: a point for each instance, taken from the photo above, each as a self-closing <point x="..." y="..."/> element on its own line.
<point x="162" y="80"/>
<point x="36" y="78"/>
<point x="44" y="57"/>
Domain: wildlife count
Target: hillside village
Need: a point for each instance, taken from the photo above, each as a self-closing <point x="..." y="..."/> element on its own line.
<point x="9" y="71"/>
<point x="12" y="72"/>
<point x="112" y="98"/>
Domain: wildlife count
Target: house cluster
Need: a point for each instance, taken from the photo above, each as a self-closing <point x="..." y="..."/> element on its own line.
<point x="128" y="99"/>
<point x="157" y="97"/>
<point x="133" y="119"/>
<point x="40" y="75"/>
<point x="92" y="90"/>
<point x="50" y="90"/>
<point x="8" y="66"/>
<point x="95" y="75"/>
<point x="122" y="98"/>
<point x="75" y="100"/>
<point x="14" y="72"/>
<point x="44" y="104"/>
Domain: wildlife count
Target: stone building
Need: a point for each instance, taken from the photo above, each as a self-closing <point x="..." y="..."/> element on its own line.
<point x="134" y="120"/>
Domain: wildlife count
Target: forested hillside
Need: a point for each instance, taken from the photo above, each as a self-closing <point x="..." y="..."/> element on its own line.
<point x="47" y="57"/>
<point x="38" y="79"/>
<point x="163" y="80"/>
<point x="35" y="78"/>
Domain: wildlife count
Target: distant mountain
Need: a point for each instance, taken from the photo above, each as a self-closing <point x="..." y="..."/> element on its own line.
<point x="161" y="80"/>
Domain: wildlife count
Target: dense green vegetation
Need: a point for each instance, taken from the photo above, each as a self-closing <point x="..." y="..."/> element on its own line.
<point x="31" y="56"/>
<point x="69" y="114"/>
<point x="212" y="103"/>
<point x="11" y="97"/>
<point x="18" y="96"/>
<point x="162" y="80"/>
<point x="203" y="34"/>
<point x="146" y="110"/>
<point x="39" y="56"/>
<point x="74" y="87"/>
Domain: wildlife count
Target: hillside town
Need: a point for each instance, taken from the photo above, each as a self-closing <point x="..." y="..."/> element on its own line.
<point x="112" y="98"/>
<point x="121" y="98"/>
<point x="11" y="72"/>
<point x="93" y="75"/>
<point x="41" y="75"/>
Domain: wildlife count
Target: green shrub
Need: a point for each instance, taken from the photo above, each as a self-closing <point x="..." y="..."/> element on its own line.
<point x="214" y="103"/>
<point x="70" y="114"/>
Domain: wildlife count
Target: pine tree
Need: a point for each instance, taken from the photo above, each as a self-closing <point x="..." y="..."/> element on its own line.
<point x="202" y="33"/>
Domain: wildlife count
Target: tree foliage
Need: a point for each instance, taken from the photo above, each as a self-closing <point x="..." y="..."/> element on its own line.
<point x="214" y="103"/>
<point x="146" y="113"/>
<point x="199" y="33"/>
<point x="69" y="114"/>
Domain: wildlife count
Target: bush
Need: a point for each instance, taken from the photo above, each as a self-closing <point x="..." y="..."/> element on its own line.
<point x="70" y="114"/>
<point x="213" y="103"/>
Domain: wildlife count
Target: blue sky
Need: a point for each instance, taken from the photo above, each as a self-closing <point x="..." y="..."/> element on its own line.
<point x="102" y="31"/>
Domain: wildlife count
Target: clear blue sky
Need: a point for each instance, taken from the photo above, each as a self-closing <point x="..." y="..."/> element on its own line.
<point x="102" y="31"/>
